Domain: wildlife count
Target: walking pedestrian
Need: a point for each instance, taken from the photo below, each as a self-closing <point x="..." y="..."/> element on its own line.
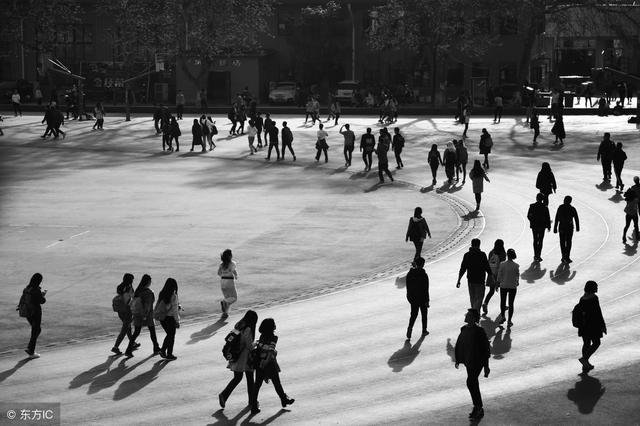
<point x="635" y="188"/>
<point x="619" y="157"/>
<point x="206" y="132"/>
<point x="535" y="125"/>
<point x="309" y="111"/>
<point x="417" y="231"/>
<point x="546" y="182"/>
<point x="476" y="266"/>
<point x="228" y="273"/>
<point x="259" y="122"/>
<point x="398" y="145"/>
<point x="268" y="122"/>
<point x="384" y="142"/>
<point x="434" y="160"/>
<point x="34" y="297"/>
<point x="631" y="214"/>
<point x="605" y="155"/>
<point x="58" y="120"/>
<point x="321" y="143"/>
<point x="334" y="111"/>
<point x="496" y="256"/>
<point x="251" y="136"/>
<point x="232" y="115"/>
<point x="565" y="216"/>
<point x="246" y="328"/>
<point x="180" y="101"/>
<point x="478" y="176"/>
<point x="196" y="131"/>
<point x="463" y="158"/>
<point x="98" y="113"/>
<point x="124" y="292"/>
<point x="497" y="115"/>
<point x="273" y="140"/>
<point x="558" y="130"/>
<point x="15" y="101"/>
<point x="175" y="134"/>
<point x="349" y="143"/>
<point x="449" y="160"/>
<point x="592" y="325"/>
<point x="473" y="350"/>
<point x="466" y="117"/>
<point x="485" y="145"/>
<point x="539" y="219"/>
<point x="213" y="130"/>
<point x="316" y="110"/>
<point x="418" y="295"/>
<point x="509" y="279"/>
<point x="287" y="140"/>
<point x="168" y="313"/>
<point x="142" y="311"/>
<point x="367" y="145"/>
<point x="267" y="367"/>
<point x="49" y="118"/>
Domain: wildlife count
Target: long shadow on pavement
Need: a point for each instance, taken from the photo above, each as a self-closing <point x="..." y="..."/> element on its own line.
<point x="562" y="274"/>
<point x="586" y="393"/>
<point x="405" y="355"/>
<point x="501" y="343"/>
<point x="222" y="418"/>
<point x="206" y="332"/>
<point x="533" y="272"/>
<point x="111" y="377"/>
<point x="266" y="421"/>
<point x="631" y="249"/>
<point x="8" y="373"/>
<point x="131" y="386"/>
<point x="90" y="375"/>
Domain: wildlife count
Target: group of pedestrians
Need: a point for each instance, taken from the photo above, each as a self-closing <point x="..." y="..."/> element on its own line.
<point x="454" y="159"/>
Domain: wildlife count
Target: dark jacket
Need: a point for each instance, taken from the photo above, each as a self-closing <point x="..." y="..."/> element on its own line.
<point x="484" y="146"/>
<point x="267" y="362"/>
<point x="546" y="182"/>
<point x="147" y="297"/>
<point x="196" y="131"/>
<point x="472" y="347"/>
<point x="619" y="157"/>
<point x="476" y="265"/>
<point x="367" y="142"/>
<point x="594" y="324"/>
<point x="273" y="134"/>
<point x="35" y="299"/>
<point x="287" y="136"/>
<point x="605" y="150"/>
<point x="417" y="286"/>
<point x="565" y="216"/>
<point x="417" y="229"/>
<point x="538" y="216"/>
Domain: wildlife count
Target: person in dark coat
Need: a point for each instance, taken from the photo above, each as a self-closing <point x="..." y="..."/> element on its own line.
<point x="175" y="133"/>
<point x="592" y="325"/>
<point x="618" y="159"/>
<point x="273" y="131"/>
<point x="35" y="297"/>
<point x="50" y="119"/>
<point x="398" y="145"/>
<point x="367" y="145"/>
<point x="558" y="130"/>
<point x="142" y="311"/>
<point x="434" y="159"/>
<point x="259" y="122"/>
<point x="473" y="350"/>
<point x="546" y="182"/>
<point x="539" y="219"/>
<point x="565" y="216"/>
<point x="196" y="132"/>
<point x="605" y="155"/>
<point x="417" y="231"/>
<point x="450" y="160"/>
<point x="124" y="289"/>
<point x="384" y="143"/>
<point x="287" y="140"/>
<point x="476" y="265"/>
<point x="267" y="367"/>
<point x="485" y="147"/>
<point x="418" y="295"/>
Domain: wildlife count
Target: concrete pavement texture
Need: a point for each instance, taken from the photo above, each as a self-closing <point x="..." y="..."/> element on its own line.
<point x="343" y="353"/>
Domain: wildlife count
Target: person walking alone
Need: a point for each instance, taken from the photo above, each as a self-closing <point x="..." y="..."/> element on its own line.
<point x="478" y="176"/>
<point x="565" y="216"/>
<point x="168" y="308"/>
<point x="434" y="160"/>
<point x="631" y="214"/>
<point x="449" y="160"/>
<point x="605" y="155"/>
<point x="349" y="143"/>
<point x="417" y="231"/>
<point x="287" y="140"/>
<point x="398" y="145"/>
<point x="558" y="130"/>
<point x="546" y="182"/>
<point x="125" y="292"/>
<point x="497" y="115"/>
<point x="509" y="279"/>
<point x="473" y="350"/>
<point x="175" y="133"/>
<point x="539" y="219"/>
<point x="228" y="273"/>
<point x="142" y="311"/>
<point x="251" y="136"/>
<point x="592" y="325"/>
<point x="618" y="158"/>
<point x="476" y="265"/>
<point x="367" y="146"/>
<point x="418" y="295"/>
<point x="267" y="367"/>
<point x="246" y="328"/>
<point x="34" y="298"/>
<point x="535" y="125"/>
<point x="321" y="143"/>
<point x="384" y="142"/>
<point x="98" y="113"/>
<point x="485" y="145"/>
<point x="496" y="256"/>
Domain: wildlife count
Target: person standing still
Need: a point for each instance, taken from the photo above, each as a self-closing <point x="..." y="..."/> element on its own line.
<point x="418" y="295"/>
<point x="228" y="273"/>
<point x="398" y="145"/>
<point x="605" y="155"/>
<point x="321" y="143"/>
<point x="539" y="219"/>
<point x="367" y="145"/>
<point x="417" y="231"/>
<point x="287" y="140"/>
<point x="535" y="125"/>
<point x="203" y="101"/>
<point x="592" y="325"/>
<point x="476" y="265"/>
<point x="473" y="350"/>
<point x="565" y="216"/>
<point x="349" y="143"/>
<point x="34" y="297"/>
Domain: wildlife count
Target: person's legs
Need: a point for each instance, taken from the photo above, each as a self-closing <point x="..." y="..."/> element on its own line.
<point x="35" y="322"/>
<point x="412" y="318"/>
<point x="250" y="386"/>
<point x="503" y="301"/>
<point x="237" y="378"/>
<point x="418" y="244"/>
<point x="474" y="386"/>
<point x="424" y="311"/>
<point x="269" y="151"/>
<point x="229" y="292"/>
<point x="326" y="156"/>
<point x="464" y="172"/>
<point x="177" y="144"/>
<point x="563" y="244"/>
<point x="589" y="346"/>
<point x="125" y="330"/>
<point x="492" y="290"/>
<point x="277" y="150"/>
<point x="512" y="297"/>
<point x="152" y="334"/>
<point x="569" y="237"/>
<point x="604" y="169"/>
<point x="478" y="196"/>
<point x="278" y="386"/>
<point x="486" y="160"/>
<point x="627" y="222"/>
<point x="137" y="327"/>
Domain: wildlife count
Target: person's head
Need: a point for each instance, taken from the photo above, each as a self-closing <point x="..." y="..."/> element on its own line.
<point x="368" y="129"/>
<point x="511" y="254"/>
<point x="174" y="121"/>
<point x="169" y="289"/>
<point x="472" y="316"/>
<point x="396" y="130"/>
<point x="417" y="212"/>
<point x="145" y="282"/>
<point x="477" y="166"/>
<point x="434" y="147"/>
<point x="284" y="124"/>
<point x="203" y="117"/>
<point x="250" y="319"/>
<point x="35" y="281"/>
<point x="346" y="126"/>
<point x="636" y="180"/>
<point x="267" y="326"/>
<point x="267" y="115"/>
<point x="226" y="257"/>
<point x="546" y="167"/>
<point x="449" y="145"/>
<point x="179" y="90"/>
<point x="475" y="243"/>
<point x="568" y="199"/>
<point x="619" y="146"/>
<point x="252" y="124"/>
<point x="419" y="262"/>
<point x="195" y="122"/>
<point x="591" y="287"/>
<point x="540" y="197"/>
<point x="99" y="105"/>
<point x="484" y="131"/>
<point x="607" y="136"/>
<point x="321" y="126"/>
<point x="498" y="246"/>
<point x="127" y="279"/>
<point x="273" y="124"/>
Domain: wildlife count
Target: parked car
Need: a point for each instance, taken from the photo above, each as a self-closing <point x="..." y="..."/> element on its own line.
<point x="284" y="92"/>
<point x="346" y="90"/>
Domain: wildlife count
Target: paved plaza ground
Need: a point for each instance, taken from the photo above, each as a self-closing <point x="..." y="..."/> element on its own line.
<point x="321" y="249"/>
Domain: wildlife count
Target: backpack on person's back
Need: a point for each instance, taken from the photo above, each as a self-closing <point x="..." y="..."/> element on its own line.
<point x="232" y="345"/>
<point x="24" y="307"/>
<point x="578" y="316"/>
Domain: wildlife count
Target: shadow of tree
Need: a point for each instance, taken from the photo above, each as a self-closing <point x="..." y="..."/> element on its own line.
<point x="405" y="355"/>
<point x="586" y="393"/>
<point x="131" y="386"/>
<point x="206" y="332"/>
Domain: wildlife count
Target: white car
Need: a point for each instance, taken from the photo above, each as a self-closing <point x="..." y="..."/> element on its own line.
<point x="346" y="90"/>
<point x="284" y="92"/>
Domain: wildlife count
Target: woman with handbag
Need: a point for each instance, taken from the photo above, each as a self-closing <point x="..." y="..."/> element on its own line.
<point x="266" y="364"/>
<point x="167" y="311"/>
